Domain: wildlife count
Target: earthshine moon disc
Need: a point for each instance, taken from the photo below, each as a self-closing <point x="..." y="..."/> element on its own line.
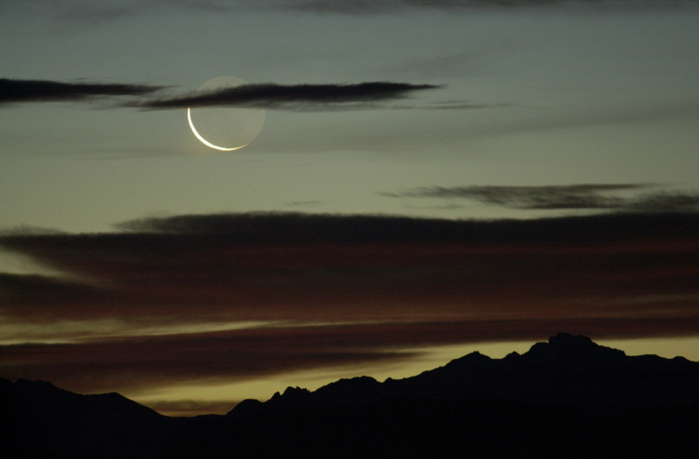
<point x="225" y="128"/>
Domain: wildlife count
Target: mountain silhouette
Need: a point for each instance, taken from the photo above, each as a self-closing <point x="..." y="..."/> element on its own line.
<point x="40" y="420"/>
<point x="567" y="397"/>
<point x="569" y="371"/>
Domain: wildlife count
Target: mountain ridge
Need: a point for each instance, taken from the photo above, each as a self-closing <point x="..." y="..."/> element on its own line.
<point x="42" y="420"/>
<point x="568" y="397"/>
<point x="568" y="370"/>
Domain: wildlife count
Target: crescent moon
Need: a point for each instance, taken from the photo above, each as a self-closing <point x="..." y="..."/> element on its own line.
<point x="203" y="140"/>
<point x="225" y="128"/>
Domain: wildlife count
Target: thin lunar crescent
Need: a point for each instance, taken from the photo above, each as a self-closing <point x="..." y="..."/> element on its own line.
<point x="225" y="128"/>
<point x="203" y="140"/>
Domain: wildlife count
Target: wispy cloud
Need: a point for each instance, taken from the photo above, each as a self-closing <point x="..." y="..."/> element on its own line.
<point x="71" y="16"/>
<point x="465" y="105"/>
<point x="387" y="6"/>
<point x="307" y="203"/>
<point x="300" y="97"/>
<point x="22" y="91"/>
<point x="551" y="197"/>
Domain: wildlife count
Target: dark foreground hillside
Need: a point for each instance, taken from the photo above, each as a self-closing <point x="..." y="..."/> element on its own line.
<point x="39" y="420"/>
<point x="565" y="398"/>
<point x="428" y="428"/>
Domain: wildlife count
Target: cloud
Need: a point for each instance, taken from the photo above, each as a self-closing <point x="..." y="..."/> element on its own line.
<point x="249" y="267"/>
<point x="387" y="6"/>
<point x="236" y="356"/>
<point x="283" y="227"/>
<point x="141" y="362"/>
<point x="307" y="203"/>
<point x="312" y="291"/>
<point x="23" y="91"/>
<point x="664" y="202"/>
<point x="551" y="197"/>
<point x="465" y="105"/>
<point x="96" y="13"/>
<point x="144" y="362"/>
<point x="71" y="16"/>
<point x="300" y="97"/>
<point x="104" y="10"/>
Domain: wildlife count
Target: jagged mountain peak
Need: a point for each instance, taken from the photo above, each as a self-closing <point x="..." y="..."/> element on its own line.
<point x="352" y="384"/>
<point x="568" y="347"/>
<point x="569" y="340"/>
<point x="472" y="357"/>
<point x="570" y="370"/>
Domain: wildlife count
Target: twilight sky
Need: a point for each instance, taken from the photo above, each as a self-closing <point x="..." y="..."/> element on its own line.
<point x="431" y="178"/>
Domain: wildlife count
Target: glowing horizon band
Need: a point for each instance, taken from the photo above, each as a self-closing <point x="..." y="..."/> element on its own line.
<point x="202" y="139"/>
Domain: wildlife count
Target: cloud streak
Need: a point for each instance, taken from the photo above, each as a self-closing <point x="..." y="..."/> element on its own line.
<point x="14" y="91"/>
<point x="270" y="96"/>
<point x="107" y="10"/>
<point x="563" y="197"/>
<point x="300" y="97"/>
<point x="388" y="6"/>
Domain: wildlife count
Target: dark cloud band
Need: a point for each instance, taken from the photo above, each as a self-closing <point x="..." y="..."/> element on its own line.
<point x="317" y="228"/>
<point x="291" y="97"/>
<point x="301" y="97"/>
<point x="327" y="267"/>
<point x="18" y="91"/>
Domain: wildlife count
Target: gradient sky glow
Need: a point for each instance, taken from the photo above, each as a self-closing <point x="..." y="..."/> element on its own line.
<point x="432" y="178"/>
